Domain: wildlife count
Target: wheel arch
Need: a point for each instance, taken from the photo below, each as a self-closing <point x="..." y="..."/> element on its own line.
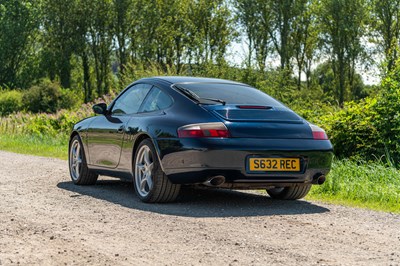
<point x="84" y="144"/>
<point x="72" y="135"/>
<point x="136" y="144"/>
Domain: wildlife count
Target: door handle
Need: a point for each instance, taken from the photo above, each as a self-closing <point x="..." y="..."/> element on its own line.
<point x="121" y="129"/>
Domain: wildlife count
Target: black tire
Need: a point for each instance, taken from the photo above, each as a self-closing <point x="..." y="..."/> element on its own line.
<point x="150" y="182"/>
<point x="289" y="193"/>
<point x="81" y="174"/>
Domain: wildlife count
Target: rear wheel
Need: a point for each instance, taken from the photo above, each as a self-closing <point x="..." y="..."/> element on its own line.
<point x="80" y="173"/>
<point x="150" y="182"/>
<point x="289" y="193"/>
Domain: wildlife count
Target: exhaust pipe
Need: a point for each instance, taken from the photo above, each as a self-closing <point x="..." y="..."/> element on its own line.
<point x="319" y="179"/>
<point x="215" y="181"/>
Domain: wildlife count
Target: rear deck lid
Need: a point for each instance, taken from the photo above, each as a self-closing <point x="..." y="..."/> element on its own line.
<point x="262" y="122"/>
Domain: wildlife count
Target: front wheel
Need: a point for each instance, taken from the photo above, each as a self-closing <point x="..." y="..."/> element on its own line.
<point x="289" y="193"/>
<point x="150" y="182"/>
<point x="80" y="173"/>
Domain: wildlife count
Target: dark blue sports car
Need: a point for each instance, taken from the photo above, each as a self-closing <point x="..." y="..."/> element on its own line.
<point x="165" y="132"/>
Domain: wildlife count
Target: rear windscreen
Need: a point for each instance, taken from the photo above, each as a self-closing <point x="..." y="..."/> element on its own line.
<point x="231" y="93"/>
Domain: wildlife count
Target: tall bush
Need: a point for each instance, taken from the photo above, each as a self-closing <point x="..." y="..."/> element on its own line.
<point x="44" y="97"/>
<point x="49" y="97"/>
<point x="10" y="102"/>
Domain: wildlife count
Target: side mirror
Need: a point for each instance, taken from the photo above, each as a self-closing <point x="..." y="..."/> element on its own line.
<point x="100" y="108"/>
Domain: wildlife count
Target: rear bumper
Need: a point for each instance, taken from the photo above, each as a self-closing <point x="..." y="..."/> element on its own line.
<point x="188" y="161"/>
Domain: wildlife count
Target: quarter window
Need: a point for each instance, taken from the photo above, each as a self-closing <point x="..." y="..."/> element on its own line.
<point x="156" y="100"/>
<point x="131" y="100"/>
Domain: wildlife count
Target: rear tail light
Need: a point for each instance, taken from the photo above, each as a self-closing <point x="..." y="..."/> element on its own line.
<point x="204" y="130"/>
<point x="318" y="133"/>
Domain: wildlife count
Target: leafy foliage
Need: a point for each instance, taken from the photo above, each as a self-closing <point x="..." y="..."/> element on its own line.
<point x="385" y="20"/>
<point x="10" y="101"/>
<point x="48" y="125"/>
<point x="42" y="98"/>
<point x="19" y="20"/>
<point x="343" y="24"/>
<point x="370" y="128"/>
<point x="48" y="97"/>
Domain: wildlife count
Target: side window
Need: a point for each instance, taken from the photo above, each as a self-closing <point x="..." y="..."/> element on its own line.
<point x="131" y="100"/>
<point x="156" y="100"/>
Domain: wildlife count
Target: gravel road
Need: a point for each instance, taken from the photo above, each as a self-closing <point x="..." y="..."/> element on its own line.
<point x="46" y="220"/>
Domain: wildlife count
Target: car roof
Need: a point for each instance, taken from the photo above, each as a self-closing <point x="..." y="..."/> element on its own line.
<point x="185" y="79"/>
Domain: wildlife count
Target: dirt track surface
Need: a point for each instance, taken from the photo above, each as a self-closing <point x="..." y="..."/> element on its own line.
<point x="46" y="220"/>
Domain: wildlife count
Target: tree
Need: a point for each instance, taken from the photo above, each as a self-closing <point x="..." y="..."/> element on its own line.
<point x="173" y="32"/>
<point x="386" y="23"/>
<point x="59" y="38"/>
<point x="121" y="24"/>
<point x="143" y="36"/>
<point x="255" y="18"/>
<point x="342" y="27"/>
<point x="19" y="22"/>
<point x="284" y="12"/>
<point x="100" y="38"/>
<point x="213" y="31"/>
<point x="82" y="49"/>
<point x="221" y="33"/>
<point x="304" y="39"/>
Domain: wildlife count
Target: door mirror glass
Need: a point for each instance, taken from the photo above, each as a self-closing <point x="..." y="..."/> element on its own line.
<point x="100" y="108"/>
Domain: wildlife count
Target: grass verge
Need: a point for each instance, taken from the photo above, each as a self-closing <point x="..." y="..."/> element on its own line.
<point x="35" y="145"/>
<point x="361" y="184"/>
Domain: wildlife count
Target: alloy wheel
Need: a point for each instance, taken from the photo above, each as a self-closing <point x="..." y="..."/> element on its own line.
<point x="143" y="171"/>
<point x="75" y="162"/>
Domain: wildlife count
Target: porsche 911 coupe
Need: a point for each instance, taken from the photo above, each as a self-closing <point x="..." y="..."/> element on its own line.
<point x="168" y="132"/>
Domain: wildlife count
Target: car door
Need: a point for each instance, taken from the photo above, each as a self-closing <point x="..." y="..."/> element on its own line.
<point x="147" y="118"/>
<point x="106" y="132"/>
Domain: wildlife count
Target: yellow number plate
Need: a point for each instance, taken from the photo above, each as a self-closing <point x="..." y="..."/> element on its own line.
<point x="274" y="164"/>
